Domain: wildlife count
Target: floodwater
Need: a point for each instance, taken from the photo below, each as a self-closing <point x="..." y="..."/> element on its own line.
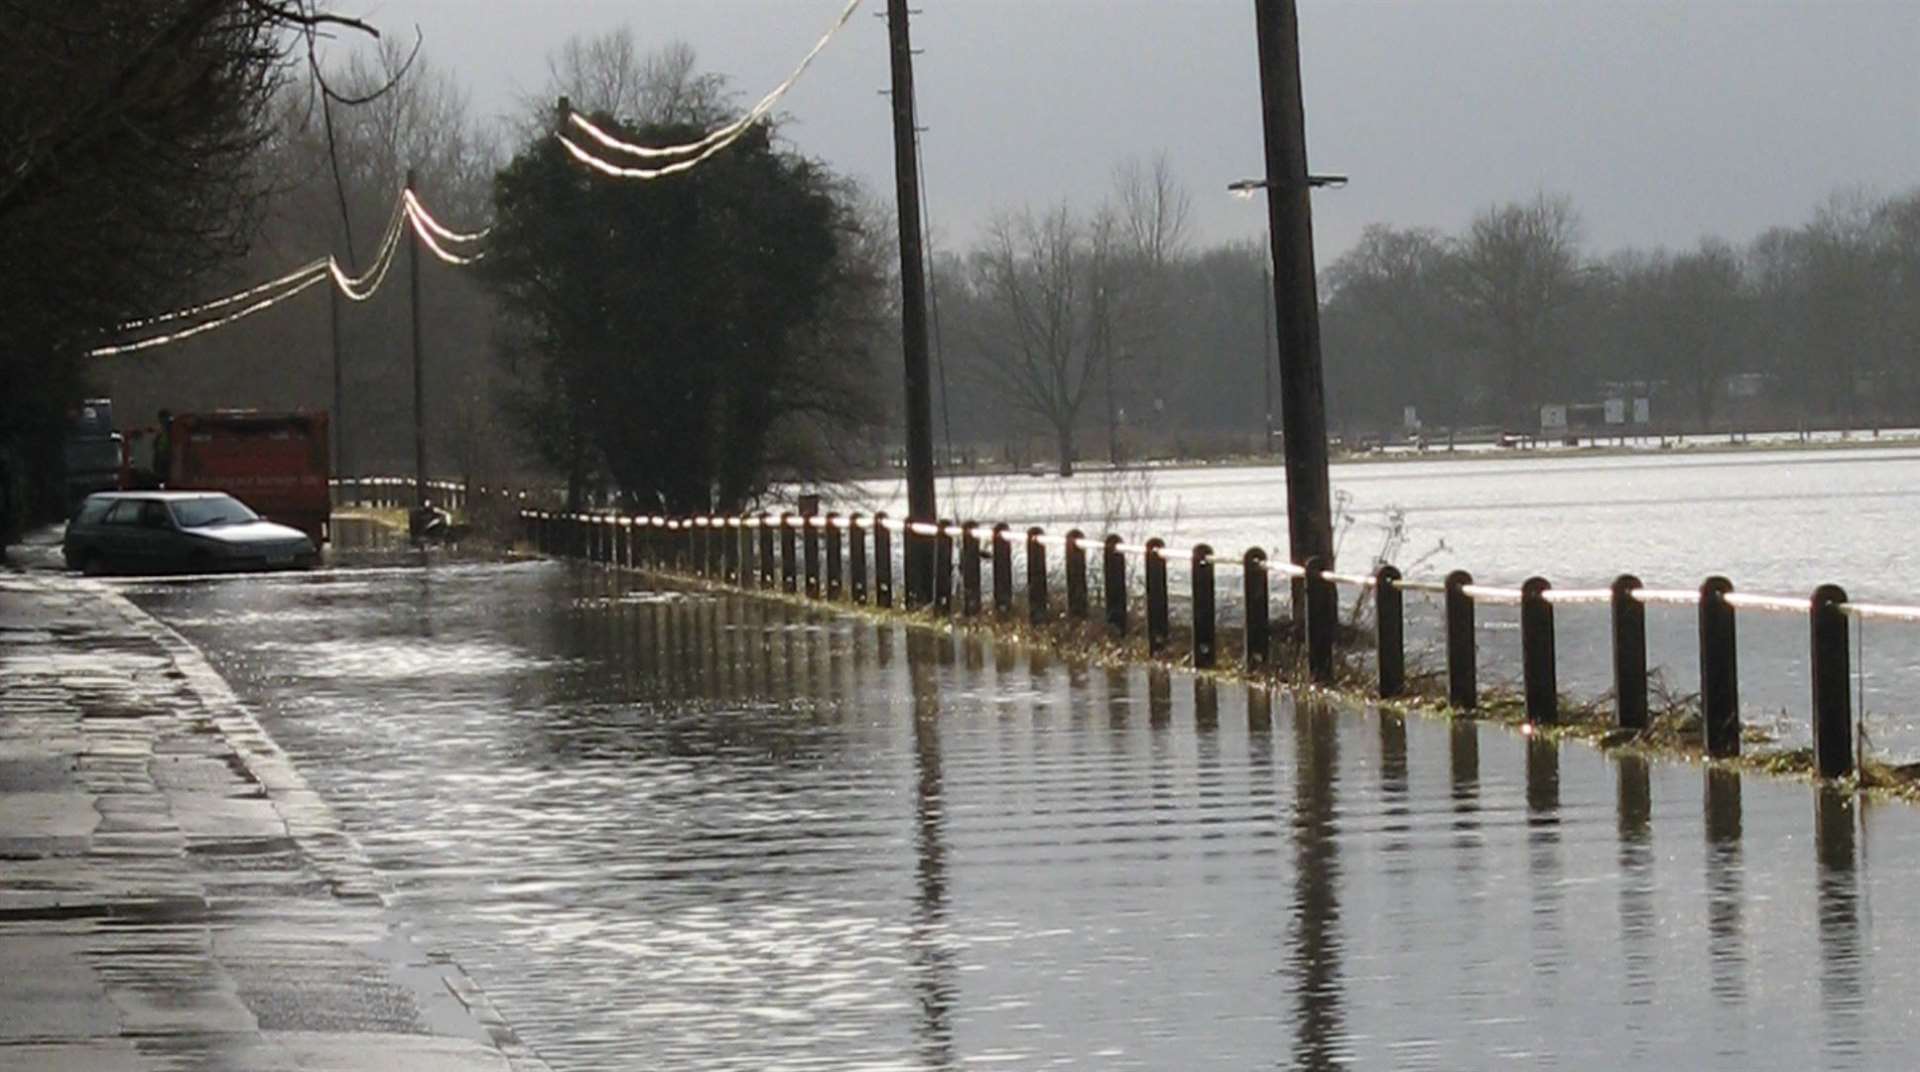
<point x="1778" y="522"/>
<point x="683" y="830"/>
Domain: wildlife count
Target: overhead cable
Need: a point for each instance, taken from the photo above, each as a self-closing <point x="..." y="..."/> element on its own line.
<point x="318" y="274"/>
<point x="704" y="148"/>
<point x="426" y="228"/>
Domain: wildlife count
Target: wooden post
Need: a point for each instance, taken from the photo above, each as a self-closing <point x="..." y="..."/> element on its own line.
<point x="789" y="564"/>
<point x="1113" y="567"/>
<point x="1076" y="575"/>
<point x="1257" y="595"/>
<point x="970" y="570"/>
<point x="1323" y="620"/>
<point x="943" y="568"/>
<point x="836" y="580"/>
<point x="856" y="559"/>
<point x="1205" y="648"/>
<point x="1537" y="657"/>
<point x="766" y="551"/>
<point x="882" y="562"/>
<point x="1037" y="611"/>
<point x="1832" y="709"/>
<point x="1389" y="631"/>
<point x="1719" y="669"/>
<point x="1463" y="687"/>
<point x="810" y="555"/>
<point x="1159" y="616"/>
<point x="1002" y="570"/>
<point x="1629" y="654"/>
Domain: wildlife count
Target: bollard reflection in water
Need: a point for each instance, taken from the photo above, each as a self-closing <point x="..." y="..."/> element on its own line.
<point x="678" y="829"/>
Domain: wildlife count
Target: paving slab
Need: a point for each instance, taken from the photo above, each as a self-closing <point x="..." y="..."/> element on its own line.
<point x="172" y="893"/>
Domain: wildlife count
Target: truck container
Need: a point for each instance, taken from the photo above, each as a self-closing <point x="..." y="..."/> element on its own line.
<point x="273" y="462"/>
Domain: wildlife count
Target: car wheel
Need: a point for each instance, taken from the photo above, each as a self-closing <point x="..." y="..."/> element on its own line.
<point x="91" y="563"/>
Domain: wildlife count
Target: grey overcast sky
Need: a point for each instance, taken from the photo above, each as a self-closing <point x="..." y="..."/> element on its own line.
<point x="1665" y="121"/>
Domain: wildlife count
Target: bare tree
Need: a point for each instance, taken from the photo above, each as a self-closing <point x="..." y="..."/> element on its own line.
<point x="609" y="74"/>
<point x="1031" y="276"/>
<point x="1519" y="267"/>
<point x="1137" y="239"/>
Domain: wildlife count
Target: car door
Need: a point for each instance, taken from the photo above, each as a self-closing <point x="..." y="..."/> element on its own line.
<point x="161" y="546"/>
<point x="119" y="533"/>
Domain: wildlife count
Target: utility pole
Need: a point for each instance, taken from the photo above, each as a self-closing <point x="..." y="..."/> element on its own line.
<point x="336" y="421"/>
<point x="1303" y="410"/>
<point x="419" y="381"/>
<point x="913" y="315"/>
<point x="1266" y="351"/>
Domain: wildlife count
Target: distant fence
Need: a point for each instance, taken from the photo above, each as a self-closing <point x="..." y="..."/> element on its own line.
<point x="850" y="560"/>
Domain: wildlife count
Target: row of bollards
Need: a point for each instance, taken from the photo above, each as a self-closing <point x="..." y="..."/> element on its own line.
<point x="827" y="558"/>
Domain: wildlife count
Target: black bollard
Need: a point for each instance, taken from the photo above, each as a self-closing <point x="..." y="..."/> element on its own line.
<point x="766" y="551"/>
<point x="1719" y="670"/>
<point x="836" y="571"/>
<point x="717" y="548"/>
<point x="1389" y="631"/>
<point x="943" y="568"/>
<point x="789" y="555"/>
<point x="1159" y="617"/>
<point x="1002" y="570"/>
<point x="1538" y="668"/>
<point x="1629" y="654"/>
<point x="1323" y="621"/>
<point x="882" y="562"/>
<point x="1036" y="577"/>
<point x="856" y="559"/>
<point x="1463" y="686"/>
<point x="970" y="570"/>
<point x="1076" y="575"/>
<point x="1113" y="568"/>
<point x="744" y="541"/>
<point x="810" y="555"/>
<point x="1830" y="668"/>
<point x="1257" y="593"/>
<point x="1205" y="648"/>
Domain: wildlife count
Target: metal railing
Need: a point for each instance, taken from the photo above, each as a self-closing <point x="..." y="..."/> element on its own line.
<point x="850" y="559"/>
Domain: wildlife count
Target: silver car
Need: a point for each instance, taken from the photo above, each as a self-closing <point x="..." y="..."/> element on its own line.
<point x="175" y="531"/>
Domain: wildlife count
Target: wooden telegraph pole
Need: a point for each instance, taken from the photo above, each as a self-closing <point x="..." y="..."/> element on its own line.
<point x="336" y="421"/>
<point x="419" y="382"/>
<point x="1303" y="410"/>
<point x="913" y="314"/>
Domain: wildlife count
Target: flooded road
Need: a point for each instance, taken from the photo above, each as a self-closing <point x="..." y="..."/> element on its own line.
<point x="673" y="830"/>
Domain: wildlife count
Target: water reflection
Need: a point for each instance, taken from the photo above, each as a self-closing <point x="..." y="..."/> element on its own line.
<point x="1842" y="990"/>
<point x="1639" y="914"/>
<point x="1314" y="959"/>
<point x="1725" y="888"/>
<point x="934" y="970"/>
<point x="1544" y="867"/>
<point x="678" y="830"/>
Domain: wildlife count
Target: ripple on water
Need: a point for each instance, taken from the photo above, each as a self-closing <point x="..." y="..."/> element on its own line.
<point x="717" y="834"/>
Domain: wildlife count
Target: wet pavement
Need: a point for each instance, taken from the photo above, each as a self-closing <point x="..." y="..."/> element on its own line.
<point x="676" y="829"/>
<point x="172" y="893"/>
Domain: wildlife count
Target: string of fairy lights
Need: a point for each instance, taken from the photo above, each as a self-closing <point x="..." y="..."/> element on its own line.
<point x="457" y="248"/>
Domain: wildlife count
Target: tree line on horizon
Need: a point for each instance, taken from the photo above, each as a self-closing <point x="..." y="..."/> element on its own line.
<point x="687" y="344"/>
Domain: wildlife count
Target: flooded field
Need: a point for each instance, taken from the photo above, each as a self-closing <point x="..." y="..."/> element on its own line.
<point x="672" y="830"/>
<point x="1774" y="521"/>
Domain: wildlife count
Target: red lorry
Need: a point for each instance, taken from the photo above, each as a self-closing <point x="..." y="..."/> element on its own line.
<point x="273" y="462"/>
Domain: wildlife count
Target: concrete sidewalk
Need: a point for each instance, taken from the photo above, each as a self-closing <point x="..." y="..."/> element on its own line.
<point x="172" y="894"/>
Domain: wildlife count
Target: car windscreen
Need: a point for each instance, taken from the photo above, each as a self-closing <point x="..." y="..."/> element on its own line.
<point x="200" y="513"/>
